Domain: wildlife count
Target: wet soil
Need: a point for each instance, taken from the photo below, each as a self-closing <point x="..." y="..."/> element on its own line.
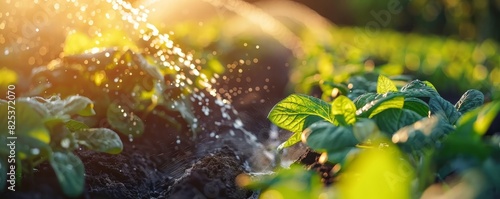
<point x="147" y="168"/>
<point x="310" y="161"/>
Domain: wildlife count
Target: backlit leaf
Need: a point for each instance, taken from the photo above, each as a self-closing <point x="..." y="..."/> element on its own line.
<point x="385" y="85"/>
<point x="295" y="112"/>
<point x="479" y="120"/>
<point x="344" y="110"/>
<point x="395" y="103"/>
<point x="377" y="173"/>
<point x="294" y="139"/>
<point x="430" y="85"/>
<point x="381" y="103"/>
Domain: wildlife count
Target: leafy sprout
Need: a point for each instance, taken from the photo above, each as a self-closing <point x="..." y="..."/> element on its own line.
<point x="393" y="142"/>
<point x="46" y="131"/>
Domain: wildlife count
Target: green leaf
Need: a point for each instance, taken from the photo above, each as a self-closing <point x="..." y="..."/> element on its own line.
<point x="478" y="120"/>
<point x="37" y="105"/>
<point x="69" y="171"/>
<point x="379" y="172"/>
<point x="72" y="105"/>
<point x="429" y="84"/>
<point x="364" y="129"/>
<point x="344" y="110"/>
<point x="364" y="99"/>
<point x="53" y="123"/>
<point x="324" y="136"/>
<point x="342" y="155"/>
<point x="296" y="112"/>
<point x="417" y="105"/>
<point x="78" y="105"/>
<point x="380" y="103"/>
<point x="395" y="103"/>
<point x="471" y="99"/>
<point x="365" y="82"/>
<point x="100" y="139"/>
<point x="438" y="105"/>
<point x="356" y="93"/>
<point x="28" y="121"/>
<point x="390" y="120"/>
<point x="385" y="85"/>
<point x="418" y="89"/>
<point x="74" y="125"/>
<point x="124" y="121"/>
<point x="422" y="134"/>
<point x="294" y="139"/>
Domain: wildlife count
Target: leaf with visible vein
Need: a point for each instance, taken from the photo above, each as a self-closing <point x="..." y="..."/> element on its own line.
<point x="385" y="85"/>
<point x="295" y="111"/>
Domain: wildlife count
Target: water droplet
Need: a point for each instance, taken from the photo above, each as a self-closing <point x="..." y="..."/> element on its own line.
<point x="238" y="124"/>
<point x="35" y="151"/>
<point x="65" y="143"/>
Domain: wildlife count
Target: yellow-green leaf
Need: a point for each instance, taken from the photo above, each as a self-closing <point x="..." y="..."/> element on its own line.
<point x="8" y="77"/>
<point x="385" y="85"/>
<point x="378" y="173"/>
<point x="342" y="106"/>
<point x="397" y="102"/>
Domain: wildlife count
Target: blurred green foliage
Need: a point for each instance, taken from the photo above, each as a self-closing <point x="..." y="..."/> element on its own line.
<point x="462" y="19"/>
<point x="453" y="65"/>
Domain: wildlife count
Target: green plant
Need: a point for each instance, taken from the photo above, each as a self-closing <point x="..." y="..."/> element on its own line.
<point x="351" y="53"/>
<point x="47" y="131"/>
<point x="376" y="134"/>
<point x="126" y="83"/>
